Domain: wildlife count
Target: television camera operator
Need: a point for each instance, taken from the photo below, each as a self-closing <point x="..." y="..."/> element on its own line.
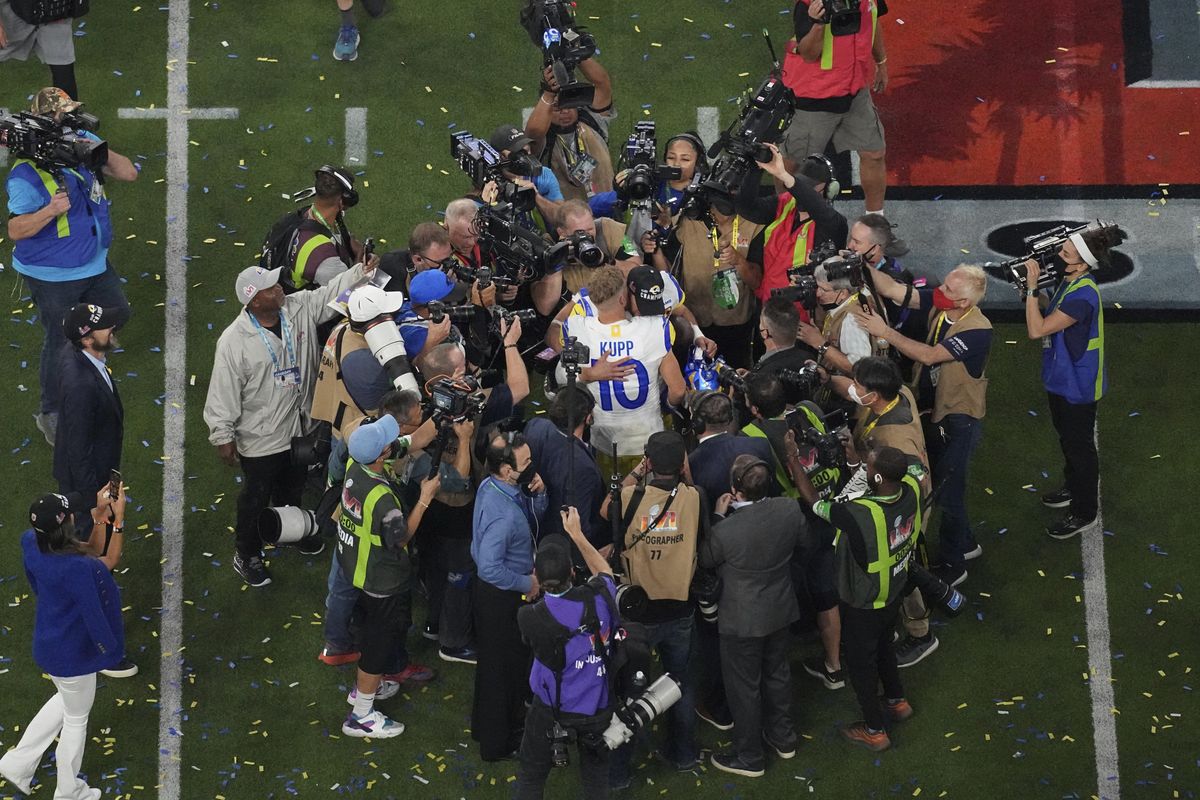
<point x="513" y="145"/>
<point x="60" y="221"/>
<point x="874" y="238"/>
<point x="841" y="340"/>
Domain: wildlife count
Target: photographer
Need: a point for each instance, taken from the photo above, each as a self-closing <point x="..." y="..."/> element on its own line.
<point x="778" y="325"/>
<point x="659" y="554"/>
<point x="799" y="216"/>
<point x="428" y="248"/>
<point x="871" y="237"/>
<point x="952" y="389"/>
<point x="321" y="247"/>
<point x="59" y="222"/>
<point x="574" y="218"/>
<point x="752" y="549"/>
<point x="829" y="68"/>
<point x="259" y="395"/>
<point x="576" y="692"/>
<point x="574" y="141"/>
<point x="421" y="334"/>
<point x="685" y="152"/>
<point x="1073" y="370"/>
<point x="842" y="341"/>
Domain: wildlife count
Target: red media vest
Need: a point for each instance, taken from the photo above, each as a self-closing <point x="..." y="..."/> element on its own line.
<point x="846" y="64"/>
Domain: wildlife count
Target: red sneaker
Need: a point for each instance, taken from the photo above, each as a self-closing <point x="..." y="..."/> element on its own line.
<point x="897" y="711"/>
<point x="858" y="734"/>
<point x="413" y="673"/>
<point x="335" y="658"/>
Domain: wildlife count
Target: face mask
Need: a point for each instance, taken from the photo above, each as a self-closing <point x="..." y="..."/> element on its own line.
<point x="562" y="130"/>
<point x="526" y="477"/>
<point x="830" y="306"/>
<point x="941" y="301"/>
<point x="854" y="395"/>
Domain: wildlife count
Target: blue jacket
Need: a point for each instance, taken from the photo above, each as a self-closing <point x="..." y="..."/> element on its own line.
<point x="91" y="425"/>
<point x="1084" y="379"/>
<point x="77" y="627"/>
<point x="503" y="532"/>
<point x="69" y="240"/>
<point x="551" y="453"/>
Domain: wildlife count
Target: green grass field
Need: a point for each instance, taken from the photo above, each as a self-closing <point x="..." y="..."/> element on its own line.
<point x="1003" y="708"/>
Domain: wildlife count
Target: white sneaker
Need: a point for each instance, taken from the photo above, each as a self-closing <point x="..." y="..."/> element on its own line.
<point x="973" y="553"/>
<point x="6" y="772"/>
<point x="386" y="689"/>
<point x="373" y="726"/>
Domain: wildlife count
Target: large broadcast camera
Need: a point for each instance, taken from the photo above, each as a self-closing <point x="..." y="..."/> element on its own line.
<point x="1042" y="248"/>
<point x="551" y="26"/>
<point x="522" y="252"/>
<point x="483" y="164"/>
<point x="641" y="159"/>
<point x="55" y="146"/>
<point x="450" y="403"/>
<point x="842" y="16"/>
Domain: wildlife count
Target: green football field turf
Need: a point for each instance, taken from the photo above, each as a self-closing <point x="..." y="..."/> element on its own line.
<point x="1003" y="708"/>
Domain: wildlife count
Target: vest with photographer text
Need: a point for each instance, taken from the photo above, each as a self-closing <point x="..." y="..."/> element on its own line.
<point x="662" y="559"/>
<point x="69" y="240"/>
<point x="845" y="66"/>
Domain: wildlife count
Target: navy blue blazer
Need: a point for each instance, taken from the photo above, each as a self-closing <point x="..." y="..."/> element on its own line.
<point x="91" y="426"/>
<point x="712" y="458"/>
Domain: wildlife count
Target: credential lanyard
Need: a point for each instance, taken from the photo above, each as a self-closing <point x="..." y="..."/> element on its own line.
<point x="867" y="431"/>
<point x="716" y="240"/>
<point x="286" y="330"/>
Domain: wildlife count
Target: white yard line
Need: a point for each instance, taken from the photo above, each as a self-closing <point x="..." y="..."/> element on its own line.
<point x="708" y="124"/>
<point x="356" y="137"/>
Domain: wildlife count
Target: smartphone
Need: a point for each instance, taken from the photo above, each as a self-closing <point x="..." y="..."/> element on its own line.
<point x="114" y="483"/>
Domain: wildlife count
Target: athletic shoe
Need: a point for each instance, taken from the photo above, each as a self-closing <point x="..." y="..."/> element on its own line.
<point x="346" y="48"/>
<point x="912" y="650"/>
<point x="413" y="673"/>
<point x="387" y="689"/>
<point x="1059" y="498"/>
<point x="816" y="667"/>
<point x="373" y="726"/>
<point x="123" y="669"/>
<point x="678" y="766"/>
<point x="311" y="545"/>
<point x="898" y="711"/>
<point x="252" y="570"/>
<point x="784" y="751"/>
<point x="1069" y="526"/>
<point x="462" y="655"/>
<point x="335" y="658"/>
<point x="950" y="574"/>
<point x="48" y="425"/>
<point x="859" y="734"/>
<point x="732" y="763"/>
<point x="430" y="632"/>
<point x="722" y="722"/>
<point x="6" y="772"/>
<point x="974" y="553"/>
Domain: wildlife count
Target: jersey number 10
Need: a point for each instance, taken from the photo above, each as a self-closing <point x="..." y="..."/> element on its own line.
<point x="609" y="389"/>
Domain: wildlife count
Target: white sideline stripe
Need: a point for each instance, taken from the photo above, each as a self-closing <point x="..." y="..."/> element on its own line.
<point x="1099" y="648"/>
<point x="855" y="169"/>
<point x="1152" y="84"/>
<point x="3" y="150"/>
<point x="525" y="113"/>
<point x="708" y="124"/>
<point x="356" y="137"/>
<point x="162" y="113"/>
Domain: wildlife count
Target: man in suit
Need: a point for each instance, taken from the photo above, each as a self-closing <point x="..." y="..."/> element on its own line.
<point x="710" y="460"/>
<point x="91" y="422"/>
<point x="752" y="549"/>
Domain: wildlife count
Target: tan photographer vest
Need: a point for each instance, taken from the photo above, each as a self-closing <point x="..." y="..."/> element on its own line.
<point x="662" y="560"/>
<point x="332" y="402"/>
<point x="955" y="391"/>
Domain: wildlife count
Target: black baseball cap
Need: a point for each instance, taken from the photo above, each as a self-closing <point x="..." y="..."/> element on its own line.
<point x="646" y="286"/>
<point x="83" y="318"/>
<point x="50" y="511"/>
<point x="510" y="138"/>
<point x="666" y="450"/>
<point x="553" y="560"/>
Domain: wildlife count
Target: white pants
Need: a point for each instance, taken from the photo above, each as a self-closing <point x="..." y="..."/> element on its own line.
<point x="64" y="715"/>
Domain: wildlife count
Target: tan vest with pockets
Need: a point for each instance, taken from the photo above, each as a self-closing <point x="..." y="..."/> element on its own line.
<point x="663" y="561"/>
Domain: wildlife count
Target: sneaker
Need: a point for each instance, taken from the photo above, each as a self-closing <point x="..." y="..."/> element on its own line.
<point x="387" y="690"/>
<point x="48" y="425"/>
<point x="950" y="574"/>
<point x="911" y="650"/>
<point x="861" y="735"/>
<point x="430" y="632"/>
<point x="784" y="751"/>
<point x="335" y="658"/>
<point x="346" y="48"/>
<point x="678" y="766"/>
<point x="373" y="726"/>
<point x="1059" y="498"/>
<point x="974" y="553"/>
<point x="311" y="545"/>
<point x="816" y="667"/>
<point x="1069" y="526"/>
<point x="897" y="711"/>
<point x="7" y="772"/>
<point x="252" y="570"/>
<point x="413" y="673"/>
<point x="730" y="762"/>
<point x="463" y="655"/>
<point x="722" y="722"/>
<point x="123" y="669"/>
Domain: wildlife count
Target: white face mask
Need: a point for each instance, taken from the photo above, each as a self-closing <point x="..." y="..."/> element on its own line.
<point x="854" y="395"/>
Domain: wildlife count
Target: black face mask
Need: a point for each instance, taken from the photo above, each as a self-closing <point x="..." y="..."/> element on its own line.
<point x="562" y="130"/>
<point x="830" y="306"/>
<point x="1060" y="264"/>
<point x="525" y="477"/>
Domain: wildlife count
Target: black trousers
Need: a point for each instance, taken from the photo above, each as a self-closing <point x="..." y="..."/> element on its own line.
<point x="735" y="342"/>
<point x="268" y="481"/>
<point x="1076" y="427"/>
<point x="870" y="658"/>
<point x="536" y="761"/>
<point x="758" y="685"/>
<point x="710" y="682"/>
<point x="502" y="674"/>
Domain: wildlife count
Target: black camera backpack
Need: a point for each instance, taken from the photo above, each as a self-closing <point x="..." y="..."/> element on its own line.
<point x="39" y="12"/>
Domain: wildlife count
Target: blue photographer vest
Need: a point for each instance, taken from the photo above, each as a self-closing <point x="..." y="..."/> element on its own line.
<point x="1085" y="380"/>
<point x="70" y="240"/>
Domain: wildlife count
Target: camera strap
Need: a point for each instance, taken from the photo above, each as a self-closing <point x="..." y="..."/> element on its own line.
<point x="635" y="501"/>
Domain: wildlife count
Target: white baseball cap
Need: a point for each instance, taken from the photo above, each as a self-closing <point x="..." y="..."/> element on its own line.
<point x="253" y="280"/>
<point x="368" y="302"/>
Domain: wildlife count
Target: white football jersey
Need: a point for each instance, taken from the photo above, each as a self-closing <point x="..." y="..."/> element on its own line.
<point x="628" y="411"/>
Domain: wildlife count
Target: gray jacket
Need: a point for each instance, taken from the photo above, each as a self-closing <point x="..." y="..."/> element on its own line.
<point x="752" y="550"/>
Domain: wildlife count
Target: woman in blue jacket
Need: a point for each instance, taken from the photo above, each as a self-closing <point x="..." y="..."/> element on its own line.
<point x="77" y="632"/>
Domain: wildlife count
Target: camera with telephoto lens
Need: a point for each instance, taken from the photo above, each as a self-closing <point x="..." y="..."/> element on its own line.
<point x="551" y="26"/>
<point x="846" y="267"/>
<point x="805" y="381"/>
<point x="706" y="588"/>
<point x="803" y="290"/>
<point x="763" y="119"/>
<point x="312" y="449"/>
<point x="483" y="274"/>
<point x="728" y="377"/>
<point x="384" y="340"/>
<point x="482" y="164"/>
<point x="935" y="589"/>
<point x="842" y="16"/>
<point x="524" y="254"/>
<point x="438" y="311"/>
<point x="640" y="710"/>
<point x="1043" y="248"/>
<point x="645" y="174"/>
<point x="582" y="247"/>
<point x="500" y="313"/>
<point x="631" y="600"/>
<point x="54" y="146"/>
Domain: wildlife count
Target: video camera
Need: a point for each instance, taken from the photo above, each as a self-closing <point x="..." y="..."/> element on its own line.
<point x="525" y="254"/>
<point x="828" y="446"/>
<point x="764" y="117"/>
<point x="54" y="146"/>
<point x="842" y="16"/>
<point x="482" y="164"/>
<point x="551" y="26"/>
<point x="1042" y="248"/>
<point x="641" y="159"/>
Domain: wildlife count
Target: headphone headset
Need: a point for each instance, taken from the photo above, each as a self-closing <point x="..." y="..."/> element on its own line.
<point x="697" y="424"/>
<point x="832" y="187"/>
<point x="497" y="457"/>
<point x="349" y="195"/>
<point x="694" y="141"/>
<point x="735" y="480"/>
